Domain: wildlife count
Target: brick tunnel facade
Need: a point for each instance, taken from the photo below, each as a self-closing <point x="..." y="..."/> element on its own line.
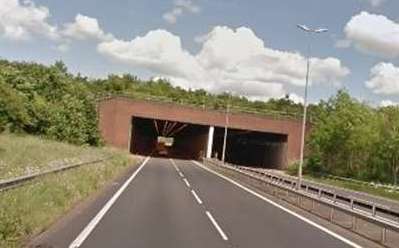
<point x="252" y="139"/>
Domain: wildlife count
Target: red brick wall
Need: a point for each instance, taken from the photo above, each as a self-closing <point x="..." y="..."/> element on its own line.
<point x="115" y="116"/>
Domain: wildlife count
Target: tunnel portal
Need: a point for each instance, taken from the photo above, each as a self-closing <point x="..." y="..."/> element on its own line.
<point x="253" y="139"/>
<point x="191" y="141"/>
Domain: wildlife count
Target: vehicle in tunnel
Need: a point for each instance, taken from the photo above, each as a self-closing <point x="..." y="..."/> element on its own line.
<point x="163" y="145"/>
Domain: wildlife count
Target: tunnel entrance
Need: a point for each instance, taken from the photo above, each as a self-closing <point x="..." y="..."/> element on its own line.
<point x="168" y="138"/>
<point x="251" y="148"/>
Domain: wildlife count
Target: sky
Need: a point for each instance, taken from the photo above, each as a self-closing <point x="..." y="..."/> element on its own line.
<point x="251" y="48"/>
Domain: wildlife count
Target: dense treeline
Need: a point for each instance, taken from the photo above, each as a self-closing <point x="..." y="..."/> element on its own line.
<point x="348" y="138"/>
<point x="48" y="101"/>
<point x="352" y="139"/>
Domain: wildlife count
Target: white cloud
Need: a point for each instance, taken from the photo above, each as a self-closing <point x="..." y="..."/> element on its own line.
<point x="85" y="28"/>
<point x="384" y="79"/>
<point x="296" y="98"/>
<point x="179" y="8"/>
<point x="387" y="103"/>
<point x="201" y="38"/>
<point x="235" y="60"/>
<point x="62" y="47"/>
<point x="343" y="43"/>
<point x="24" y="20"/>
<point x="374" y="3"/>
<point x="374" y="34"/>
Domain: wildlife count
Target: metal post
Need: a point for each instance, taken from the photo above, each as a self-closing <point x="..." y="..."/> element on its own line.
<point x="310" y="32"/>
<point x="383" y="235"/>
<point x="305" y="110"/>
<point x="225" y="133"/>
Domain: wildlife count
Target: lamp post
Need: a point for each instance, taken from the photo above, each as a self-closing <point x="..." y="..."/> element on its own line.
<point x="225" y="128"/>
<point x="310" y="31"/>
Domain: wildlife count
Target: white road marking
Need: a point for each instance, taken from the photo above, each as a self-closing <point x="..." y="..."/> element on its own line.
<point x="181" y="174"/>
<point x="174" y="165"/>
<point x="196" y="197"/>
<point x="93" y="223"/>
<point x="222" y="234"/>
<point x="187" y="183"/>
<point x="335" y="235"/>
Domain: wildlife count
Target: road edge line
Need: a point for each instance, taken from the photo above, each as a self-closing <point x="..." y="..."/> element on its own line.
<point x="77" y="242"/>
<point x="322" y="228"/>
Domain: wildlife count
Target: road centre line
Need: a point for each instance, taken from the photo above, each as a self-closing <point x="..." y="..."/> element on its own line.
<point x="216" y="225"/>
<point x="333" y="234"/>
<point x="93" y="223"/>
<point x="196" y="197"/>
<point x="174" y="165"/>
<point x="187" y="183"/>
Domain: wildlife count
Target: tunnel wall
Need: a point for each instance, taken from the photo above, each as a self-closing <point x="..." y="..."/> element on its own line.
<point x="115" y="115"/>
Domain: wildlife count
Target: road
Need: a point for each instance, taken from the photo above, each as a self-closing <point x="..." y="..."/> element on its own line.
<point x="176" y="203"/>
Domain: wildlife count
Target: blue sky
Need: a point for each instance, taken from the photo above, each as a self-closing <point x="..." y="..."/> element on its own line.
<point x="249" y="48"/>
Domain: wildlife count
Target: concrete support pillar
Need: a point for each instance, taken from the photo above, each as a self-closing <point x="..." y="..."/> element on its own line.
<point x="210" y="142"/>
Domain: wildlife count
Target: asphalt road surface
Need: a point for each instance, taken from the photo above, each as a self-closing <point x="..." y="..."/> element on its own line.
<point x="175" y="203"/>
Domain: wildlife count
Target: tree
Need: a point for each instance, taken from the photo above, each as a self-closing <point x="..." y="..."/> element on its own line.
<point x="342" y="135"/>
<point x="388" y="145"/>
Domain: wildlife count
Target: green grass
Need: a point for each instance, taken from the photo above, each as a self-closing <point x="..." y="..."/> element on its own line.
<point x="32" y="208"/>
<point x="23" y="154"/>
<point x="392" y="195"/>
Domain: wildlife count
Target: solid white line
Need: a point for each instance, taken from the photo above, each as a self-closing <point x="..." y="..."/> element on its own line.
<point x="181" y="174"/>
<point x="187" y="183"/>
<point x="335" y="235"/>
<point x="196" y="197"/>
<point x="93" y="223"/>
<point x="222" y="234"/>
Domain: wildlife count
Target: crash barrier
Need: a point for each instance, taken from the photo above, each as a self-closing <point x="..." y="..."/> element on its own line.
<point x="326" y="204"/>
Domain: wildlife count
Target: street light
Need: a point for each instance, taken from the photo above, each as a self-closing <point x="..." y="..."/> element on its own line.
<point x="225" y="127"/>
<point x="310" y="31"/>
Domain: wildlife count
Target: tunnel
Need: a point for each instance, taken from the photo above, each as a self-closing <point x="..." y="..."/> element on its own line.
<point x="165" y="138"/>
<point x="168" y="138"/>
<point x="251" y="148"/>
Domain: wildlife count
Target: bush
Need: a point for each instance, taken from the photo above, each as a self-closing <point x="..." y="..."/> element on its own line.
<point x="46" y="100"/>
<point x="314" y="166"/>
<point x="292" y="168"/>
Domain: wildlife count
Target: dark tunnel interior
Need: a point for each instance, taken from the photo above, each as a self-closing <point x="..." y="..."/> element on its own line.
<point x="251" y="148"/>
<point x="189" y="140"/>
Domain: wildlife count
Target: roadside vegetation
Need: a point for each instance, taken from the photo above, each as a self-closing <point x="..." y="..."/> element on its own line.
<point x="30" y="209"/>
<point x="375" y="190"/>
<point x="352" y="139"/>
<point x="25" y="154"/>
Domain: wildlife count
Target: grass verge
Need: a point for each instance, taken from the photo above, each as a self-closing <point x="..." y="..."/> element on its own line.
<point x="372" y="190"/>
<point x="25" y="154"/>
<point x="32" y="208"/>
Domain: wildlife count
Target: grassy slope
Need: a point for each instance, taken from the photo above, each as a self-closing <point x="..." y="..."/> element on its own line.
<point x="30" y="209"/>
<point x="20" y="155"/>
<point x="392" y="195"/>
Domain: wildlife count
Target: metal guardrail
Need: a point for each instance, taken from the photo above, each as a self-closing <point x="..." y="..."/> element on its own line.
<point x="19" y="181"/>
<point x="319" y="189"/>
<point x="372" y="226"/>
